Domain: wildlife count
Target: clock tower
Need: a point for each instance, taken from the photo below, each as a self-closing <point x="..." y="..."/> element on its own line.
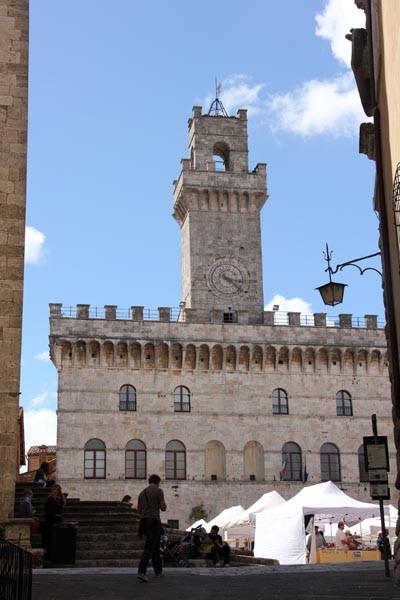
<point x="217" y="203"/>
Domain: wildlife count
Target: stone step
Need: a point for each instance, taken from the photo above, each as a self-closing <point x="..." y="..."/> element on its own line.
<point x="111" y="554"/>
<point x="109" y="544"/>
<point x="123" y="562"/>
<point x="107" y="538"/>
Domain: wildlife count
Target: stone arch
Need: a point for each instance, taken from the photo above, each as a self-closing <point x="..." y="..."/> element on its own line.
<point x="348" y="361"/>
<point x="176" y="356"/>
<point x="80" y="354"/>
<point x="309" y="360"/>
<point x="204" y="200"/>
<point x="215" y="461"/>
<point x="94" y="353"/>
<point x="244" y="358"/>
<point x="214" y="200"/>
<point x="66" y="354"/>
<point x="149" y="356"/>
<point x="296" y="362"/>
<point x="244" y="202"/>
<point x="375" y="362"/>
<point x="253" y="461"/>
<point x="204" y="357"/>
<point x="136" y="355"/>
<point x="121" y="355"/>
<point x="224" y="201"/>
<point x="283" y="358"/>
<point x="230" y="358"/>
<point x="162" y="355"/>
<point x="361" y="361"/>
<point x="257" y="358"/>
<point x="322" y="359"/>
<point x="108" y="354"/>
<point x="190" y="357"/>
<point x="216" y="357"/>
<point x="270" y="359"/>
<point x="233" y="202"/>
<point x="335" y="360"/>
<point x="222" y="152"/>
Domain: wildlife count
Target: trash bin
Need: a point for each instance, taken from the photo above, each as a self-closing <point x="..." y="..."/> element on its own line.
<point x="63" y="544"/>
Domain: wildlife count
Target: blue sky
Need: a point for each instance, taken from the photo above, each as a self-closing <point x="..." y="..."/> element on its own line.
<point x="112" y="84"/>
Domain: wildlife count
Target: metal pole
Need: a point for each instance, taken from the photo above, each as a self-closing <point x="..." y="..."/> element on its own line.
<point x="383" y="527"/>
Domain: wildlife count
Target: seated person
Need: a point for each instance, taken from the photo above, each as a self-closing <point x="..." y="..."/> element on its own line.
<point x="220" y="550"/>
<point x="351" y="542"/>
<point x="41" y="475"/>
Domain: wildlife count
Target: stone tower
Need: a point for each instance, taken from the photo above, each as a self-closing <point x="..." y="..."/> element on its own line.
<point x="13" y="126"/>
<point x="217" y="204"/>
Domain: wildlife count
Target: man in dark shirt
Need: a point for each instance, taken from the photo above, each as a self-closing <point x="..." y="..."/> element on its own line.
<point x="150" y="502"/>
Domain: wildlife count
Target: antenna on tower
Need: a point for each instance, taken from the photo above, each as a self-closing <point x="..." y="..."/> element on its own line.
<point x="217" y="109"/>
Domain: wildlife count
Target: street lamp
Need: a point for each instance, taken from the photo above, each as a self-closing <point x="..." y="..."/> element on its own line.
<point x="332" y="292"/>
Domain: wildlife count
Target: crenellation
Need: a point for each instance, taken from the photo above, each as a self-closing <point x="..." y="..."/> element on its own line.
<point x="227" y="381"/>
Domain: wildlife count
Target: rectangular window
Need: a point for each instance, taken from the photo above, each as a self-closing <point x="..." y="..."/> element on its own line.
<point x="173" y="523"/>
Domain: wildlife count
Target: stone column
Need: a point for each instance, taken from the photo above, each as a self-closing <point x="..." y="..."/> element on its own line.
<point x="13" y="134"/>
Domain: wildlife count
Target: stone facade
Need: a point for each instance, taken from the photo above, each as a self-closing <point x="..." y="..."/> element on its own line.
<point x="13" y="148"/>
<point x="221" y="438"/>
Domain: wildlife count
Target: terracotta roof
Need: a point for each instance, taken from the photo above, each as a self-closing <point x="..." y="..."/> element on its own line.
<point x="43" y="448"/>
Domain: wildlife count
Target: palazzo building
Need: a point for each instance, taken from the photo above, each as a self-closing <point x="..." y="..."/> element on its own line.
<point x="223" y="399"/>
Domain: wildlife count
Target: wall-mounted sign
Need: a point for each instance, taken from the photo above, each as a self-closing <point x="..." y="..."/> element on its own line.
<point x="379" y="491"/>
<point x="376" y="452"/>
<point x="378" y="476"/>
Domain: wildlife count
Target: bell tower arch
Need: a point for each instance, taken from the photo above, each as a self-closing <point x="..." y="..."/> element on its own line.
<point x="217" y="203"/>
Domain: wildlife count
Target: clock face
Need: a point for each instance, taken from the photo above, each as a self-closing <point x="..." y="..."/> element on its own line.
<point x="227" y="277"/>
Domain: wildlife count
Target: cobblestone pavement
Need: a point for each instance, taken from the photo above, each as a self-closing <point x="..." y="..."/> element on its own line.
<point x="322" y="582"/>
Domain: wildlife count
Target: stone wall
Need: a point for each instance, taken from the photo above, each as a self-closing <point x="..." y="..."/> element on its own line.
<point x="13" y="148"/>
<point x="231" y="371"/>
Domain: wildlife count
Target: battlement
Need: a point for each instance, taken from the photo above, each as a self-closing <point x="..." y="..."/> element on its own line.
<point x="165" y="314"/>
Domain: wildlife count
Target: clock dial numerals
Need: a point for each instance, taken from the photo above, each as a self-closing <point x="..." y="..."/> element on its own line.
<point x="227" y="278"/>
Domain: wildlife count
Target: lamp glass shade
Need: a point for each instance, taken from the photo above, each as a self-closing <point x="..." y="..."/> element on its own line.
<point x="332" y="293"/>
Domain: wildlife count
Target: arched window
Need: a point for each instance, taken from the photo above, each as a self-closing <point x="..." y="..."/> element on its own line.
<point x="215" y="467"/>
<point x="221" y="156"/>
<point x="291" y="462"/>
<point x="361" y="465"/>
<point x="181" y="399"/>
<point x="135" y="460"/>
<point x="175" y="460"/>
<point x="344" y="406"/>
<point x="330" y="463"/>
<point x="95" y="459"/>
<point x="280" y="404"/>
<point x="253" y="461"/>
<point x="127" y="397"/>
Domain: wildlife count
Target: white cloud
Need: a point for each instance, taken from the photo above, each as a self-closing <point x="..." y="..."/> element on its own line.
<point x="330" y="106"/>
<point x="290" y="305"/>
<point x="40" y="427"/>
<point x="34" y="245"/>
<point x="317" y="106"/>
<point x="239" y="92"/>
<point x="334" y="22"/>
<point x="43" y="356"/>
<point x="40" y="398"/>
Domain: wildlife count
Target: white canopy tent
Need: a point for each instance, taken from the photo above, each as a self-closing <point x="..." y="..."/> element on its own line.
<point x="200" y="522"/>
<point x="280" y="533"/>
<point x="225" y="517"/>
<point x="368" y="527"/>
<point x="267" y="501"/>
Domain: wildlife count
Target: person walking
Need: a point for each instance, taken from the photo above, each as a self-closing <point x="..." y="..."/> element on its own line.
<point x="53" y="510"/>
<point x="150" y="502"/>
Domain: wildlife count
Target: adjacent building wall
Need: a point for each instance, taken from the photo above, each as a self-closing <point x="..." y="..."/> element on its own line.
<point x="13" y="149"/>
